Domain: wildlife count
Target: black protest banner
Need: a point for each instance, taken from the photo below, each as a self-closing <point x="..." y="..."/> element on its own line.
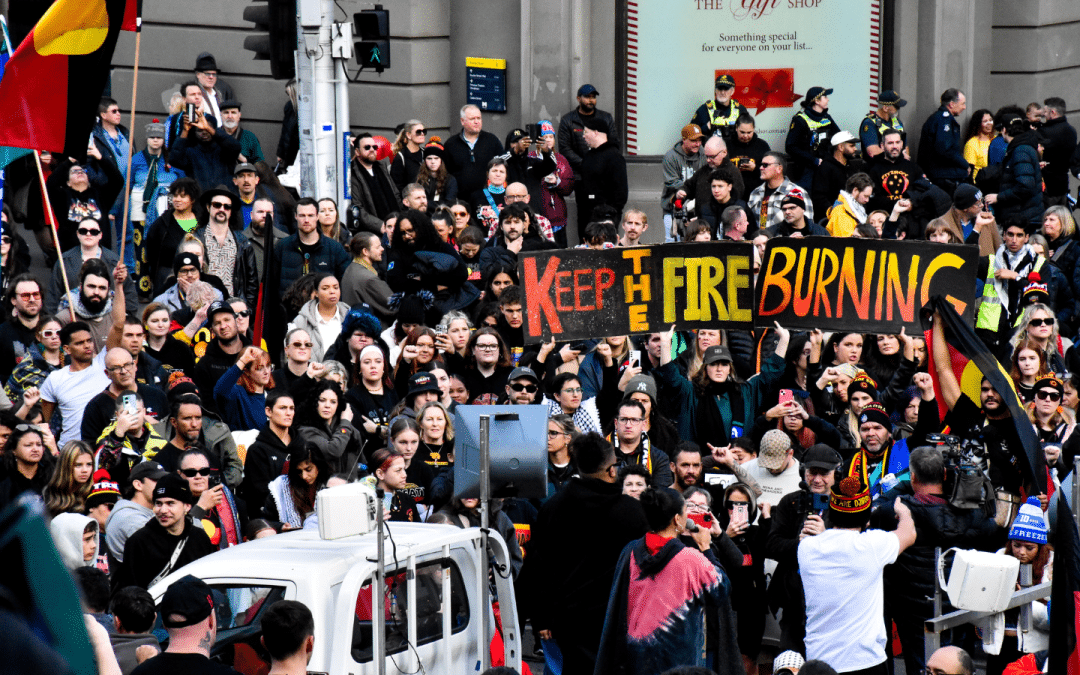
<point x="862" y="285"/>
<point x="585" y="293"/>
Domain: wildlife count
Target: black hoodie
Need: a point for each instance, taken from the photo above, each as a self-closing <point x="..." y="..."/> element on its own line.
<point x="149" y="550"/>
<point x="264" y="461"/>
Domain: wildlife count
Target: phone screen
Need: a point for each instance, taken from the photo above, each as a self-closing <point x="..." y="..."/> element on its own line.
<point x="786" y="395"/>
<point x="740" y="513"/>
<point x="821" y="502"/>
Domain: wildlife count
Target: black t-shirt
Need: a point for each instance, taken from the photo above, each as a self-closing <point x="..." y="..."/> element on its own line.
<point x="15" y="342"/>
<point x="101" y="410"/>
<point x="168" y="663"/>
<point x="1003" y="445"/>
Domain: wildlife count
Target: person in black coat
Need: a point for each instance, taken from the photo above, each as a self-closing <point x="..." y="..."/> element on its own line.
<point x="517" y="233"/>
<point x="468" y="153"/>
<point x="603" y="173"/>
<point x="80" y="191"/>
<point x="245" y="272"/>
<point x="909" y="581"/>
<point x="1021" y="181"/>
<point x="307" y="251"/>
<point x="1060" y="143"/>
<point x="941" y="148"/>
<point x="525" y="168"/>
<point x="418" y="260"/>
<point x="832" y="174"/>
<point x="579" y="535"/>
<point x="266" y="456"/>
<point x="205" y="152"/>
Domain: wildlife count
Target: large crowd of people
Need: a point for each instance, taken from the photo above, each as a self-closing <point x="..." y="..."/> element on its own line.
<point x="700" y="483"/>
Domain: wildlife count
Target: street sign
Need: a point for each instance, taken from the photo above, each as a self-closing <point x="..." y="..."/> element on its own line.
<point x="485" y="83"/>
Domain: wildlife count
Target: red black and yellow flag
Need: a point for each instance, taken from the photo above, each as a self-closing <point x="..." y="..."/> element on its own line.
<point x="52" y="86"/>
<point x="1065" y="594"/>
<point x="971" y="361"/>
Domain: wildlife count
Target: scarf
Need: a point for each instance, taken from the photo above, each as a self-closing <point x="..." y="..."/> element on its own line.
<point x="81" y="311"/>
<point x="496" y="189"/>
<point x="857" y="209"/>
<point x="279" y="490"/>
<point x="1022" y="262"/>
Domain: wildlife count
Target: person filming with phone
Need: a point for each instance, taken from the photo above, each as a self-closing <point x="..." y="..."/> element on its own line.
<point x="798" y="515"/>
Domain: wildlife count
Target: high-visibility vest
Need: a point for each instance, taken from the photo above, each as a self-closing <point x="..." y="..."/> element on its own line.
<point x="814" y="125"/>
<point x="882" y="126"/>
<point x="726" y="121"/>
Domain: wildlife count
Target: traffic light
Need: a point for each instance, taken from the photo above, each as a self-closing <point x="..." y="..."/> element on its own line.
<point x="373" y="27"/>
<point x="276" y="43"/>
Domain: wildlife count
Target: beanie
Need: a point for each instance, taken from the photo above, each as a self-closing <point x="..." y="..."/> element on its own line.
<point x="875" y="412"/>
<point x="864" y="383"/>
<point x="1029" y="524"/>
<point x="849" y="503"/>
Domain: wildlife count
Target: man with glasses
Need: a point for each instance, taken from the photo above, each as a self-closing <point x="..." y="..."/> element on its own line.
<point x="522" y="387"/>
<point x="956" y="661"/>
<point x="374" y="194"/>
<point x="19" y="332"/>
<point x="572" y="597"/>
<point x="100" y="411"/>
<point x="89" y="234"/>
<point x="229" y="255"/>
<point x="214" y="91"/>
<point x="517" y="193"/>
<point x="699" y="186"/>
<point x="775" y="187"/>
<point x="632" y="444"/>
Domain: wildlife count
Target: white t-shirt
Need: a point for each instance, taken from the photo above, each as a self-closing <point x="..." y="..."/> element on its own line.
<point x="841" y="573"/>
<point x="773" y="487"/>
<point x="71" y="392"/>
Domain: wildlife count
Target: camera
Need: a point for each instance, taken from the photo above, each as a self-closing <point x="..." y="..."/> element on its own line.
<point x="966" y="481"/>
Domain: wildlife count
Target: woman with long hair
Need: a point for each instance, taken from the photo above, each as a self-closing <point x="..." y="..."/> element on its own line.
<point x="373" y="398"/>
<point x="43" y="357"/>
<point x="463" y="217"/>
<point x="452" y="342"/>
<point x="487" y="365"/>
<point x="436" y="435"/>
<point x="843" y="347"/>
<point x="804" y="429"/>
<point x="160" y="343"/>
<point x="241" y="391"/>
<point x="1046" y="413"/>
<point x="70" y="483"/>
<point x="717" y="405"/>
<point x="329" y="222"/>
<point x="980" y="131"/>
<point x="405" y="436"/>
<point x="27" y="465"/>
<point x="939" y="231"/>
<point x="560" y="432"/>
<point x="1059" y="228"/>
<point x="292" y="496"/>
<point x="408" y="152"/>
<point x="388" y="473"/>
<point x="440" y="186"/>
<point x="163" y="236"/>
<point x="1028" y="365"/>
<point x="695" y="603"/>
<point x="689" y="361"/>
<point x="324" y="419"/>
<point x="417" y="353"/>
<point x="1038" y="324"/>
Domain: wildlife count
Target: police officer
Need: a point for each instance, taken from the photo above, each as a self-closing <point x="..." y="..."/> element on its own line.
<point x="717" y="116"/>
<point x="881" y="120"/>
<point x="809" y="134"/>
<point x="941" y="146"/>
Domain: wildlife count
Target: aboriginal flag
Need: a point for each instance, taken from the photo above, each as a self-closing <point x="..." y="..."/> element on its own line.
<point x="52" y="86"/>
<point x="1065" y="594"/>
<point x="971" y="362"/>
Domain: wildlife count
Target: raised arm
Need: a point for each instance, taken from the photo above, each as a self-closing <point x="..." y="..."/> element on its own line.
<point x="950" y="387"/>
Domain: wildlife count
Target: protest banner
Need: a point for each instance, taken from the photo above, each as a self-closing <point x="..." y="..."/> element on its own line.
<point x="583" y="293"/>
<point x="862" y="285"/>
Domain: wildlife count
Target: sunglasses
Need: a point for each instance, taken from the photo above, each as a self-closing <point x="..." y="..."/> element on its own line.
<point x="191" y="473"/>
<point x="368" y="147"/>
<point x="219" y="205"/>
<point x="29" y="296"/>
<point x="86" y="232"/>
<point x="527" y="388"/>
<point x="1041" y="322"/>
<point x="419" y="132"/>
<point x="299" y="345"/>
<point x="1048" y="395"/>
<point x="5" y="239"/>
<point x="244" y="313"/>
<point x="50" y="333"/>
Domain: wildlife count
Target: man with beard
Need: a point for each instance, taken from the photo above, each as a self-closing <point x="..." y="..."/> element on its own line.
<point x="221" y="353"/>
<point x="19" y="332"/>
<point x="308" y="251"/>
<point x="892" y="173"/>
<point x="71" y="388"/>
<point x="188" y="428"/>
<point x="250" y="149"/>
<point x="229" y="255"/>
<point x="880" y="462"/>
<point x="517" y="234"/>
<point x="93" y="306"/>
<point x="374" y="194"/>
<point x="686" y="465"/>
<point x="884" y="119"/>
<point x="572" y="143"/>
<point x="262" y="210"/>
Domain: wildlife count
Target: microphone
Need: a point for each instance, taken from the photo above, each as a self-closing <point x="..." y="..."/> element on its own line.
<point x="691" y="526"/>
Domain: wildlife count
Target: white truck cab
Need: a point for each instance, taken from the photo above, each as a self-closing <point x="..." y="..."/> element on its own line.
<point x="433" y="600"/>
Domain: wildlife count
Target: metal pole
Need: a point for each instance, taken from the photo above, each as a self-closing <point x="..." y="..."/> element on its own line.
<point x="1076" y="488"/>
<point x="318" y="149"/>
<point x="341" y="156"/>
<point x="485" y="498"/>
<point x="932" y="638"/>
<point x="131" y="148"/>
<point x="379" y="589"/>
<point x="1025" y="610"/>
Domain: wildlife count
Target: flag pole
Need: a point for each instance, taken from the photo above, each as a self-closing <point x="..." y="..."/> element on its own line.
<point x="56" y="237"/>
<point x="131" y="142"/>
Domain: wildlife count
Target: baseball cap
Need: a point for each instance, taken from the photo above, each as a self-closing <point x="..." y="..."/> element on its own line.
<point x="147" y="469"/>
<point x="716" y="353"/>
<point x="843" y="137"/>
<point x="821" y="456"/>
<point x="422" y="382"/>
<point x="172" y="486"/>
<point x="692" y="132"/>
<point x="890" y="97"/>
<point x="724" y="81"/>
<point x="188" y="597"/>
<point x="587" y="90"/>
<point x="516" y="135"/>
<point x="773" y="449"/>
<point x="523" y="372"/>
<point x="217" y="307"/>
<point x="241" y="168"/>
<point x="645" y="384"/>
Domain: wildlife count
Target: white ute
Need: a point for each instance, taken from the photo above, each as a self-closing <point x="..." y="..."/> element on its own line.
<point x="433" y="610"/>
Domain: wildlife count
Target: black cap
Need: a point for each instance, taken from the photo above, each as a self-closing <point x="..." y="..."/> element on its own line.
<point x="188" y="597"/>
<point x="422" y="382"/>
<point x="716" y="353"/>
<point x="204" y="62"/>
<point x="219" y="307"/>
<point x="523" y="373"/>
<point x="230" y="104"/>
<point x="241" y="168"/>
<point x="725" y="81"/>
<point x="516" y="135"/>
<point x="890" y="97"/>
<point x="597" y="124"/>
<point x="147" y="469"/>
<point x="173" y="486"/>
<point x="813" y="93"/>
<point x="821" y="456"/>
<point x="184" y="259"/>
<point x="587" y="90"/>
